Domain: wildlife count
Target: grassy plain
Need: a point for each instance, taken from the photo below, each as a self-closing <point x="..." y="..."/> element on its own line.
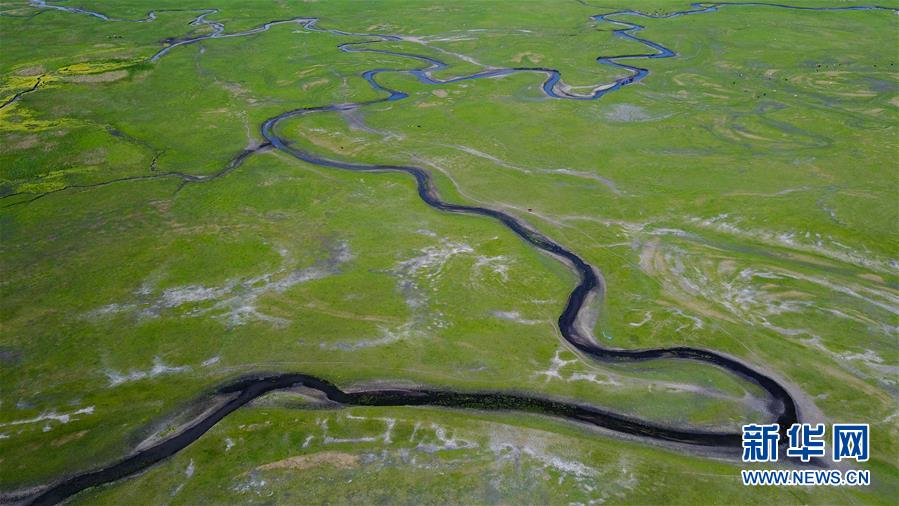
<point x="741" y="198"/>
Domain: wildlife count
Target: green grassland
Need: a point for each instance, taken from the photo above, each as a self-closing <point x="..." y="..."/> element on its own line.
<point x="742" y="198"/>
<point x="273" y="453"/>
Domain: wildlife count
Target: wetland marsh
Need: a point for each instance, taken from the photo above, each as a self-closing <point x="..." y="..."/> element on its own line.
<point x="225" y="227"/>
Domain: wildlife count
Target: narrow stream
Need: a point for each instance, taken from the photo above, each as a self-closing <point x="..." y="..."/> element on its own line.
<point x="572" y="324"/>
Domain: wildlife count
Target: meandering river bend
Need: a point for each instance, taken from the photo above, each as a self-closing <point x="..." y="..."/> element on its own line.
<point x="572" y="321"/>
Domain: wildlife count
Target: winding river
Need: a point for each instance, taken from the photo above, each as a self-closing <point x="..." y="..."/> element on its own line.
<point x="572" y="322"/>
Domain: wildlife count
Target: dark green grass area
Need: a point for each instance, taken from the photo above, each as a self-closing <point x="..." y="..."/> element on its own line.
<point x="741" y="198"/>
